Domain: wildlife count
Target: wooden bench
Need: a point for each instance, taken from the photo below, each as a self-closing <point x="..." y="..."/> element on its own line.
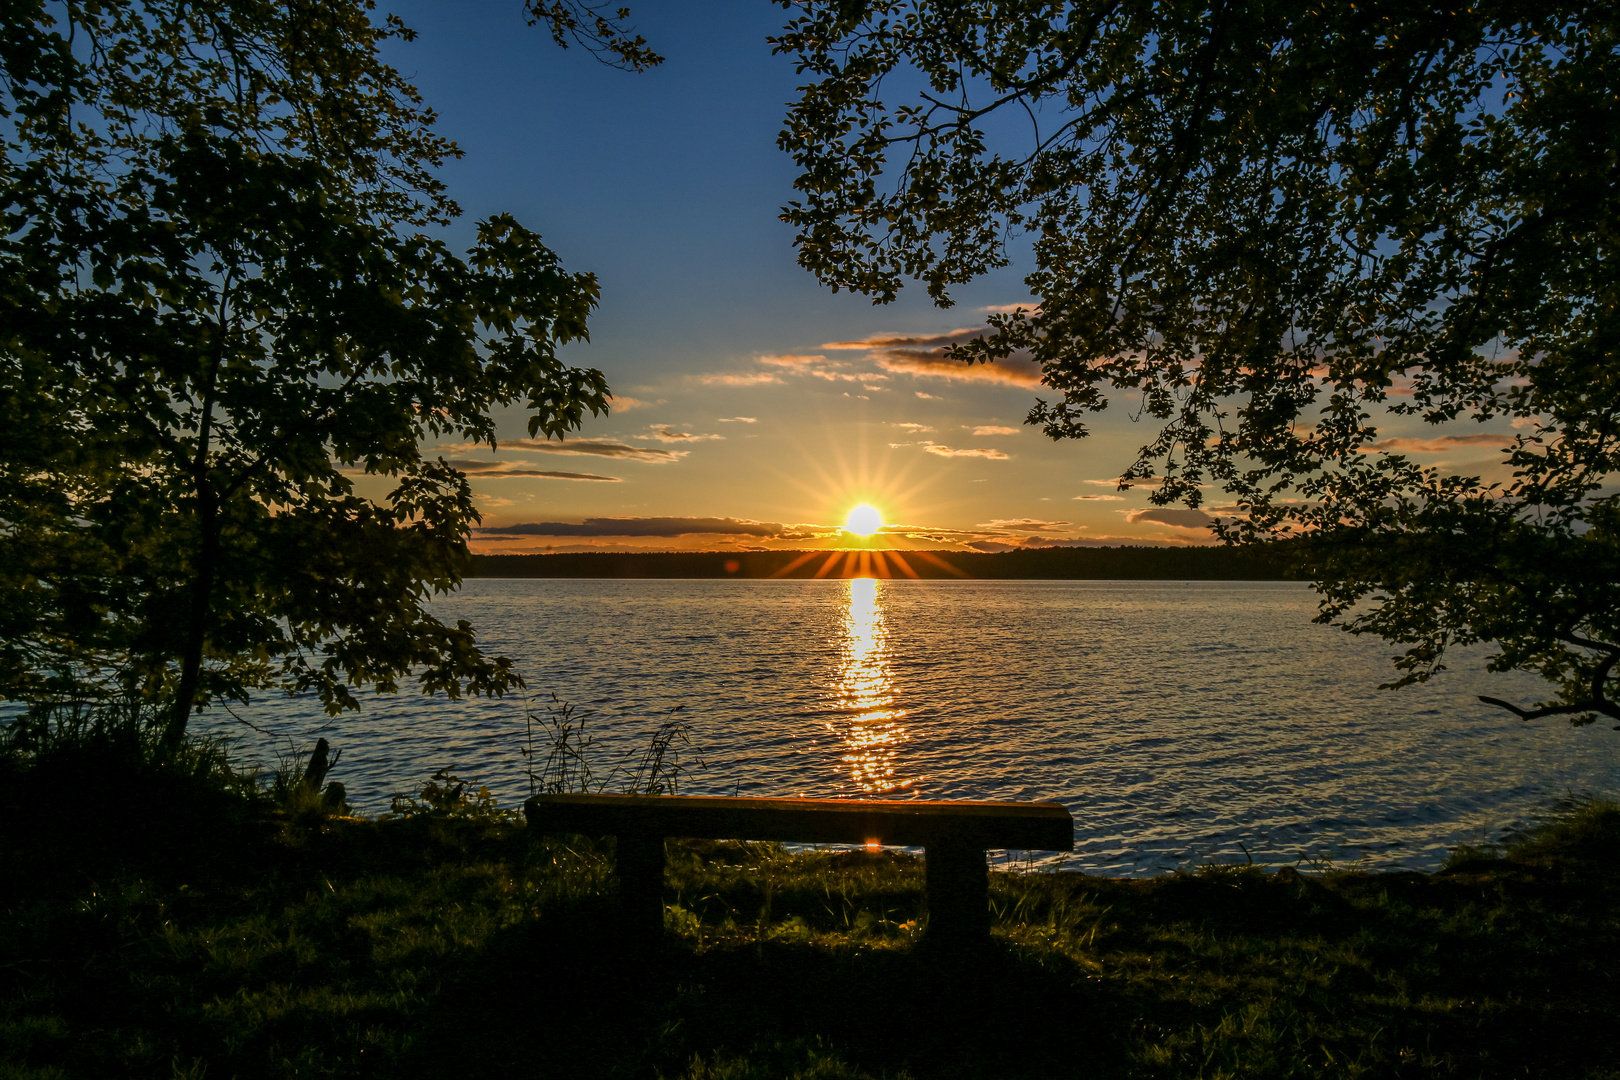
<point x="954" y="836"/>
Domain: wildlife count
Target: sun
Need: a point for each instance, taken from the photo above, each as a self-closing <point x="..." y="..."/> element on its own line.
<point x="864" y="520"/>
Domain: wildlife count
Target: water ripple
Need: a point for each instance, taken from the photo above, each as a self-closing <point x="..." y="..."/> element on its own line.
<point x="1179" y="722"/>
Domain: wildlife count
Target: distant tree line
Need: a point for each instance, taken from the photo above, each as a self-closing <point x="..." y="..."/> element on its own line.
<point x="1056" y="564"/>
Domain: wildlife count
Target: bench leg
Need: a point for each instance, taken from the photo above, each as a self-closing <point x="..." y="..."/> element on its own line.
<point x="641" y="885"/>
<point x="958" y="885"/>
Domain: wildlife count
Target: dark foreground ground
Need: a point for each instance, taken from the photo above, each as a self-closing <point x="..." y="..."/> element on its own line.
<point x="182" y="937"/>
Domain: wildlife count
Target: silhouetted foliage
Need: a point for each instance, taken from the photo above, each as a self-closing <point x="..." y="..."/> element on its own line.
<point x="224" y="337"/>
<point x="1277" y="226"/>
<point x="597" y="28"/>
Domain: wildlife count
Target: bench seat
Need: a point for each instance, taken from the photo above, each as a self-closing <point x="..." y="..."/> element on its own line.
<point x="954" y="836"/>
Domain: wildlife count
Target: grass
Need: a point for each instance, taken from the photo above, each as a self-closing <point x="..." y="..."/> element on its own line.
<point x="218" y="935"/>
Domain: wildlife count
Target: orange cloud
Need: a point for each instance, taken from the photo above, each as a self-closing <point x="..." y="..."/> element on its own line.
<point x="925" y="355"/>
<point x="946" y="451"/>
<point x="934" y="364"/>
<point x="1440" y="444"/>
<point x="793" y="360"/>
<point x="757" y="378"/>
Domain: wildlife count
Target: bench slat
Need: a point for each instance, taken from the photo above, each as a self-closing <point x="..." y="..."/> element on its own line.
<point x="1040" y="826"/>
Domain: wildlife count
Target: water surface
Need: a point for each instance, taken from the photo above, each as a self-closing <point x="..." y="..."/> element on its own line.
<point x="1179" y="722"/>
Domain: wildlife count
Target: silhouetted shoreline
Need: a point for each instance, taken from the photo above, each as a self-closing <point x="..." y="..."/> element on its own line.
<point x="1058" y="564"/>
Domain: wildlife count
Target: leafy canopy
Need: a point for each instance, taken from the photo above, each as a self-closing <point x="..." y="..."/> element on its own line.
<point x="1281" y="225"/>
<point x="219" y="311"/>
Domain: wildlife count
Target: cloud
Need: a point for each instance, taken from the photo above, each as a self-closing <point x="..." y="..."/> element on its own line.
<point x="793" y="360"/>
<point x="1522" y="422"/>
<point x="946" y="451"/>
<point x="1175" y="517"/>
<point x="913" y="427"/>
<point x="547" y="474"/>
<point x="652" y="526"/>
<point x="879" y="342"/>
<point x="992" y="429"/>
<point x="1440" y="444"/>
<point x="664" y="434"/>
<point x="1026" y="525"/>
<point x="929" y="397"/>
<point x="1003" y="309"/>
<point x="1100" y="498"/>
<point x="738" y="420"/>
<point x="623" y="403"/>
<point x="500" y="470"/>
<point x="820" y="367"/>
<point x="754" y="378"/>
<point x="934" y="364"/>
<point x="926" y="355"/>
<point x="1099" y="541"/>
<point x="599" y="448"/>
<point x="1149" y="482"/>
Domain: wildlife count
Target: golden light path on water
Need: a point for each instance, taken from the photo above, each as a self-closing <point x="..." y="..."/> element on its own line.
<point x="870" y="722"/>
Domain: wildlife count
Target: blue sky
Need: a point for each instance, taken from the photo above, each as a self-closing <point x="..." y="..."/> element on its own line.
<point x="755" y="406"/>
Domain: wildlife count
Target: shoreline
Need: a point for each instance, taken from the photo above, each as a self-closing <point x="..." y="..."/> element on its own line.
<point x="1202" y="563"/>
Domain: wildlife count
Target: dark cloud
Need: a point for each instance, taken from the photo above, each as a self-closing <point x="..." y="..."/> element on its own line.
<point x="1176" y="517"/>
<point x="666" y="434"/>
<point x="910" y="341"/>
<point x="550" y="474"/>
<point x="1098" y="541"/>
<point x="495" y="470"/>
<point x="1440" y="444"/>
<point x="598" y="448"/>
<point x="1026" y="525"/>
<point x="654" y="526"/>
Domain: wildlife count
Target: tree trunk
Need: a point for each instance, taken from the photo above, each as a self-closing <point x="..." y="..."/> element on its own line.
<point x="202" y="591"/>
<point x="202" y="584"/>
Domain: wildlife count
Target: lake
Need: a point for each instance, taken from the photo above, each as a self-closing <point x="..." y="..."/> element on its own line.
<point x="1180" y="722"/>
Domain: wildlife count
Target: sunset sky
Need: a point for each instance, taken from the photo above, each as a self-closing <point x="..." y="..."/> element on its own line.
<point x="753" y="406"/>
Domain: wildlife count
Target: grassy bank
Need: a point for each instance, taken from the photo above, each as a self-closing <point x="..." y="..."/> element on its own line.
<point x="278" y="943"/>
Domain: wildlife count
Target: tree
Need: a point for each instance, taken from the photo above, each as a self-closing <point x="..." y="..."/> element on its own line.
<point x="219" y="309"/>
<point x="1282" y="226"/>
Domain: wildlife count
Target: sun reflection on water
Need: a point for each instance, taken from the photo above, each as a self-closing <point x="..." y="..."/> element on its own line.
<point x="863" y="691"/>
